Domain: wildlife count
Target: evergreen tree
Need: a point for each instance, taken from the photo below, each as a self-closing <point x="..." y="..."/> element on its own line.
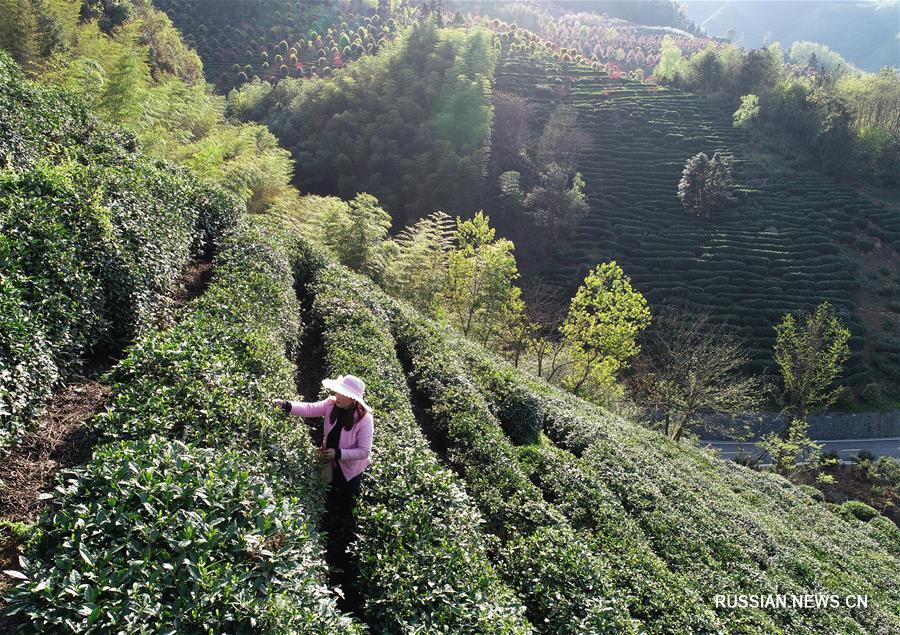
<point x="705" y="183"/>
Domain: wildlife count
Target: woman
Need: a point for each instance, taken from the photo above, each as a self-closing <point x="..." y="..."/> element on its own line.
<point x="347" y="441"/>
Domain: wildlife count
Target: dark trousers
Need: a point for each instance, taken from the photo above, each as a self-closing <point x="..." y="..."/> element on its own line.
<point x="339" y="503"/>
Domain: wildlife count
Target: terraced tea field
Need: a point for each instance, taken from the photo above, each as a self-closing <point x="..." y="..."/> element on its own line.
<point x="790" y="240"/>
<point x="273" y="39"/>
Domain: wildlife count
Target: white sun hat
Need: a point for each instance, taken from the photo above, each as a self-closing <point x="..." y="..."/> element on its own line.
<point x="349" y="386"/>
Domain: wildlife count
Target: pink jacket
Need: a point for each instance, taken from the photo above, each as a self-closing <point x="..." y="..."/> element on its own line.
<point x="355" y="444"/>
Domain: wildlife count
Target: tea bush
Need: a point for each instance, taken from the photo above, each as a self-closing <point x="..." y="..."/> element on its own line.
<point x="191" y="442"/>
<point x="422" y="560"/>
<point x="160" y="535"/>
<point x="92" y="238"/>
<point x="713" y="524"/>
<point x="514" y="508"/>
<point x="858" y="509"/>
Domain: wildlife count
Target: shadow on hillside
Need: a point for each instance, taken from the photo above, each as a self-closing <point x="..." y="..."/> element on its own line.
<point x="421" y="407"/>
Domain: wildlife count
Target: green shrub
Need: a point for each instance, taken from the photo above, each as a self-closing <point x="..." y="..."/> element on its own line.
<point x="421" y="558"/>
<point x="702" y="518"/>
<point x="56" y="242"/>
<point x="812" y="492"/>
<point x="40" y="123"/>
<point x="27" y="370"/>
<point x="518" y="412"/>
<point x="858" y="509"/>
<point x="207" y="380"/>
<point x="513" y="507"/>
<point x="161" y="535"/>
<point x="90" y="248"/>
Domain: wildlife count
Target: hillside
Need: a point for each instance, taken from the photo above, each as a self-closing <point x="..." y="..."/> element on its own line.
<point x="182" y="500"/>
<point x="792" y="239"/>
<point x="275" y="39"/>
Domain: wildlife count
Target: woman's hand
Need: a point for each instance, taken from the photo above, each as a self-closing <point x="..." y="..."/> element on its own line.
<point x="326" y="453"/>
<point x="281" y="403"/>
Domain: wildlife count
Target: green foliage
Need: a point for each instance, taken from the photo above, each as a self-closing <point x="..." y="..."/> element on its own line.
<point x="886" y="469"/>
<point x="407" y="125"/>
<point x="143" y="77"/>
<point x="708" y="519"/>
<point x="243" y="159"/>
<point x="705" y="182"/>
<point x="817" y="55"/>
<point x="198" y="537"/>
<point x="511" y="194"/>
<point x="672" y="67"/>
<point x="858" y="510"/>
<point x="747" y="114"/>
<point x="548" y="567"/>
<point x="57" y="240"/>
<point x="605" y="317"/>
<point x="422" y="559"/>
<point x="207" y="381"/>
<point x="122" y="97"/>
<point x="89" y="252"/>
<point x="109" y="14"/>
<point x="417" y="272"/>
<point x="554" y="205"/>
<point x="810" y="354"/>
<point x="515" y="512"/>
<point x="790" y="449"/>
<point x="191" y="381"/>
<point x="515" y="408"/>
<point x="356" y="232"/>
<point x="481" y="299"/>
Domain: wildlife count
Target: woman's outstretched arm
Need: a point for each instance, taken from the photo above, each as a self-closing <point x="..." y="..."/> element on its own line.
<point x="303" y="408"/>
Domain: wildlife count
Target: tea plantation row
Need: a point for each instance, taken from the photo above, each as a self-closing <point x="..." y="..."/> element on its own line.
<point x="599" y="508"/>
<point x="92" y="237"/>
<point x="198" y="512"/>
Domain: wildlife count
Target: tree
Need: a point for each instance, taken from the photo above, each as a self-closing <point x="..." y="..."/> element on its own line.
<point x="707" y="70"/>
<point x="810" y="353"/>
<point x="418" y="272"/>
<point x="508" y="132"/>
<point x="786" y="448"/>
<point x="561" y="141"/>
<point x="18" y="31"/>
<point x="481" y="299"/>
<point x="748" y="112"/>
<point x="110" y="14"/>
<point x="605" y="317"/>
<point x="356" y="232"/>
<point x="689" y="365"/>
<point x="367" y="239"/>
<point x="554" y="205"/>
<point x="545" y="309"/>
<point x="705" y="183"/>
<point x="672" y="68"/>
<point x="123" y="96"/>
